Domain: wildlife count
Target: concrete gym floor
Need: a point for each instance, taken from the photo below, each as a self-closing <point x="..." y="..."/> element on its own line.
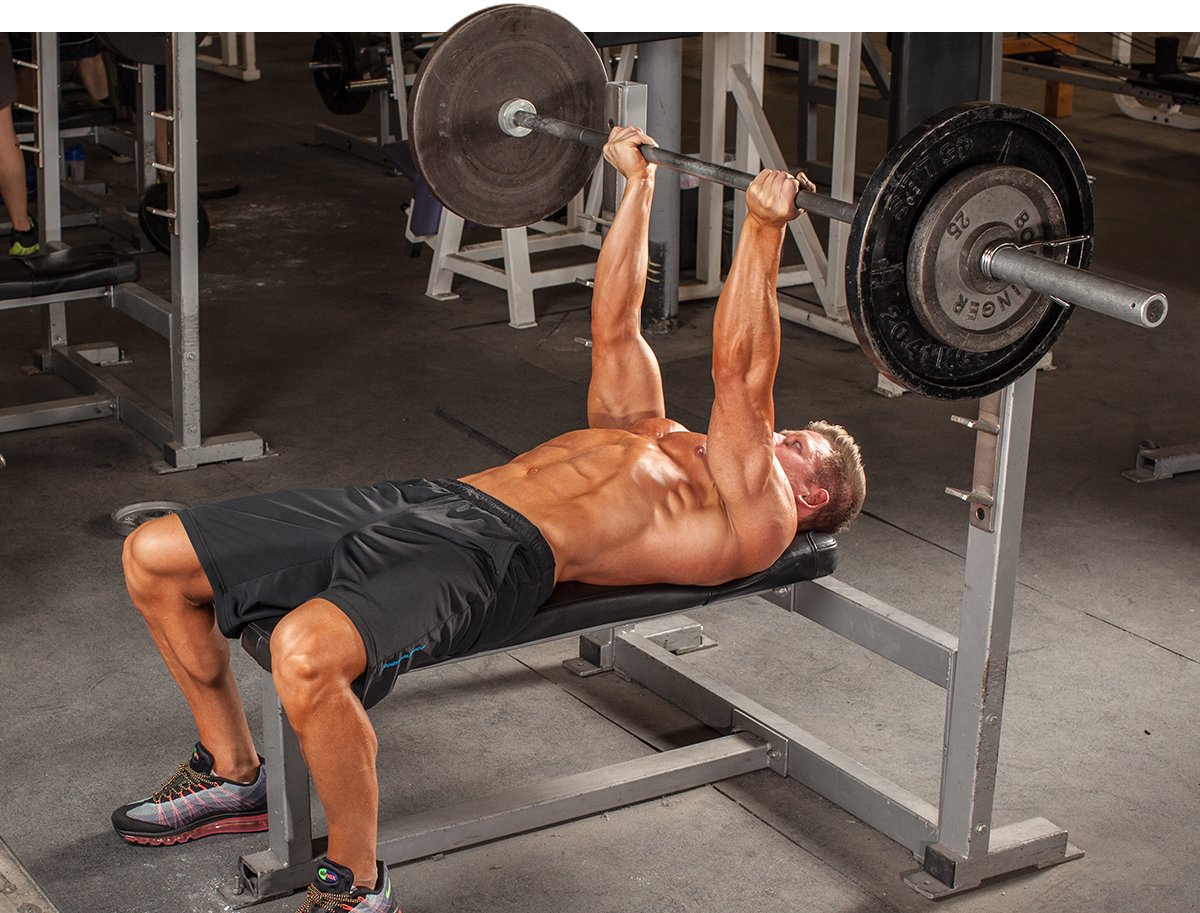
<point x="317" y="335"/>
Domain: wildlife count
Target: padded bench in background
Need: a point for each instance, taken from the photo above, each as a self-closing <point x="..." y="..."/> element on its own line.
<point x="70" y="117"/>
<point x="70" y="270"/>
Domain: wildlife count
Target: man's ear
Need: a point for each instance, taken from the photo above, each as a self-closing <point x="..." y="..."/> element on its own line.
<point x="815" y="499"/>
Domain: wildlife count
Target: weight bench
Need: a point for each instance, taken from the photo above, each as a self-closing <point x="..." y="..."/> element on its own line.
<point x="100" y="271"/>
<point x="74" y="120"/>
<point x="75" y="272"/>
<point x="573" y="608"/>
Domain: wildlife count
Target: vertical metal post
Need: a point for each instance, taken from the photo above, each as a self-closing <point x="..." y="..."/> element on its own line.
<point x="976" y="694"/>
<point x="991" y="65"/>
<point x="289" y="801"/>
<point x="50" y="154"/>
<point x="845" y="142"/>
<point x="660" y="66"/>
<point x="184" y="201"/>
<point x="399" y="83"/>
<point x="710" y="215"/>
<point x="806" y="108"/>
<point x="49" y="162"/>
<point x="748" y="49"/>
<point x="624" y="103"/>
<point x="146" y="129"/>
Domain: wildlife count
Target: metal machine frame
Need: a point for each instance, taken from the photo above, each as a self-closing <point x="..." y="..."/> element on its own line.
<point x="956" y="841"/>
<point x="178" y="320"/>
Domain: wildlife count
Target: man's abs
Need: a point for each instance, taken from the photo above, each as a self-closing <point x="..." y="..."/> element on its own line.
<point x="618" y="507"/>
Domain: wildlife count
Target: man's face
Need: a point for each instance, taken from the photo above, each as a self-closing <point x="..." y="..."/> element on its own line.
<point x="800" y="454"/>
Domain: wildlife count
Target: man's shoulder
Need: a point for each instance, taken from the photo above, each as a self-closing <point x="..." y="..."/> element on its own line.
<point x="657" y="427"/>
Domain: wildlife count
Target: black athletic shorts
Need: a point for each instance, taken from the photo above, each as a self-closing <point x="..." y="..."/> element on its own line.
<point x="425" y="569"/>
<point x="71" y="45"/>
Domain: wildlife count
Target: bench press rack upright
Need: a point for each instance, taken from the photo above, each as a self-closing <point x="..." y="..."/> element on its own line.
<point x="66" y="274"/>
<point x="955" y="841"/>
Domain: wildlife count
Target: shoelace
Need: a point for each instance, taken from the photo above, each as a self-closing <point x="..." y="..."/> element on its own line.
<point x="183" y="778"/>
<point x="331" y="903"/>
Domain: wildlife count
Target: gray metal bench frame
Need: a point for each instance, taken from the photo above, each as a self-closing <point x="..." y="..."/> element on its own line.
<point x="955" y="841"/>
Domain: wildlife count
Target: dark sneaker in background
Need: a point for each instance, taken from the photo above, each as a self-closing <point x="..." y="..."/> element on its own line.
<point x="195" y="803"/>
<point x="24" y="243"/>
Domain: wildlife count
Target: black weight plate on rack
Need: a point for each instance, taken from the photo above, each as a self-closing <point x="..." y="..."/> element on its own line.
<point x="158" y="228"/>
<point x="884" y="317"/>
<point x="487" y="59"/>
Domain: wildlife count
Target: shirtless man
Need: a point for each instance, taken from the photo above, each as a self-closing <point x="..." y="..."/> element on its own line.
<point x="369" y="582"/>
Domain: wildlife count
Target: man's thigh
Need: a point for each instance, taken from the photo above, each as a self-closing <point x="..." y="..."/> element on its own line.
<point x="8" y="75"/>
<point x="266" y="554"/>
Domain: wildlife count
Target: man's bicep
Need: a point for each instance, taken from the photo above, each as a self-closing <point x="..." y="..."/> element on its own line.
<point x="626" y="384"/>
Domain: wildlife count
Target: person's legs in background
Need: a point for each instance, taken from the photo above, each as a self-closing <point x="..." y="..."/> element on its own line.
<point x="24" y="239"/>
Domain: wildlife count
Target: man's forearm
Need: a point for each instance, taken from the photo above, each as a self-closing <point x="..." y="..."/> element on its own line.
<point x="621" y="266"/>
<point x="746" y="326"/>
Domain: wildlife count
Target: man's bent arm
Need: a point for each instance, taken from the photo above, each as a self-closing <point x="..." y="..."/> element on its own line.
<point x="746" y="338"/>
<point x="626" y="384"/>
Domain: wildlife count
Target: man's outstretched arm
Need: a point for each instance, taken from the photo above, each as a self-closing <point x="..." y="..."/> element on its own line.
<point x="746" y="334"/>
<point x="626" y="384"/>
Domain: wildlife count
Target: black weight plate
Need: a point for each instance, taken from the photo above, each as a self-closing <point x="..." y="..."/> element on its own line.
<point x="125" y="520"/>
<point x="218" y="189"/>
<point x="158" y="228"/>
<point x="338" y="48"/>
<point x="883" y="316"/>
<point x="487" y="59"/>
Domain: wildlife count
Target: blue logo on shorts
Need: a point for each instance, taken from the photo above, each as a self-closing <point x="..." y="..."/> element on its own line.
<point x="409" y="654"/>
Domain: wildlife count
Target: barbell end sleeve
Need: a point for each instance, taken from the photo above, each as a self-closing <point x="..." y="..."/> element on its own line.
<point x="1111" y="297"/>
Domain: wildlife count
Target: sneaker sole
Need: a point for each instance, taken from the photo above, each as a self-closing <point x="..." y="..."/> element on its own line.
<point x="245" y="825"/>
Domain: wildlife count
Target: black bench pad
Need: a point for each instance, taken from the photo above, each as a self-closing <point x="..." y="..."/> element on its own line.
<point x="70" y="117"/>
<point x="84" y="267"/>
<point x="574" y="608"/>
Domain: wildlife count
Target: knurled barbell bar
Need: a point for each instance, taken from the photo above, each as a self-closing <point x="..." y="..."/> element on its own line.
<point x="945" y="293"/>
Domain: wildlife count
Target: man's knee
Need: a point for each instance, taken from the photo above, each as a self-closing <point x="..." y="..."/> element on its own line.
<point x="160" y="552"/>
<point x="316" y="653"/>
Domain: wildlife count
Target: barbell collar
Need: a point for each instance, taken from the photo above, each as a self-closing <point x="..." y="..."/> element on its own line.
<point x="814" y="203"/>
<point x="1110" y="297"/>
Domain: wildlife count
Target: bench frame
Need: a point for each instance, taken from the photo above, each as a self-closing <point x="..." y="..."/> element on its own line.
<point x="955" y="841"/>
<point x="177" y="320"/>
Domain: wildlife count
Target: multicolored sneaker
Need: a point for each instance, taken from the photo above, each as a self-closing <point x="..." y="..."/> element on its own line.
<point x="25" y="243"/>
<point x="332" y="891"/>
<point x="195" y="803"/>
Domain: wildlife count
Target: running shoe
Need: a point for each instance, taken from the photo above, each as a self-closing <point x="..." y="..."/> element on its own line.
<point x="24" y="243"/>
<point x="332" y="891"/>
<point x="195" y="803"/>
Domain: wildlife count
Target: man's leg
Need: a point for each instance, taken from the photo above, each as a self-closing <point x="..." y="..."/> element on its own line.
<point x="12" y="163"/>
<point x="316" y="654"/>
<point x="170" y="589"/>
<point x="94" y="77"/>
<point x="12" y="172"/>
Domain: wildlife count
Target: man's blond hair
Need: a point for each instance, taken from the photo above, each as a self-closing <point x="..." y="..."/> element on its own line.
<point x="841" y="474"/>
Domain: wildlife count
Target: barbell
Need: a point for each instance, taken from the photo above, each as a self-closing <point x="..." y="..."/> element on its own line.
<point x="967" y="250"/>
